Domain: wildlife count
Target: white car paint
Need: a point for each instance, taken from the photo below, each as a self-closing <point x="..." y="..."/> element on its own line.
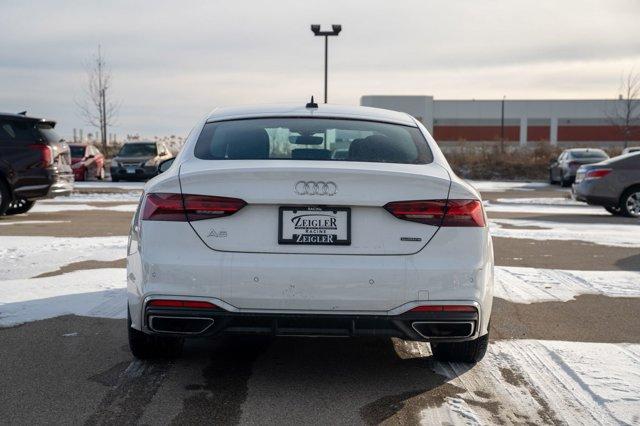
<point x="247" y="271"/>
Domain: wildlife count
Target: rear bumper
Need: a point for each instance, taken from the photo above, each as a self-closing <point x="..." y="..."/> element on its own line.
<point x="57" y="184"/>
<point x="278" y="286"/>
<point x="419" y="326"/>
<point x="134" y="173"/>
<point x="591" y="192"/>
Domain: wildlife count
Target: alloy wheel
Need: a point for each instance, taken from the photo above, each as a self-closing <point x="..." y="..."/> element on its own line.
<point x="633" y="204"/>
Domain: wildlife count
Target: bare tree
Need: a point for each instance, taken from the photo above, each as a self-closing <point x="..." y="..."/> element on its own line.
<point x="97" y="109"/>
<point x="625" y="114"/>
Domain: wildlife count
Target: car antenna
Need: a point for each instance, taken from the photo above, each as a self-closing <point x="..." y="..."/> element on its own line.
<point x="311" y="104"/>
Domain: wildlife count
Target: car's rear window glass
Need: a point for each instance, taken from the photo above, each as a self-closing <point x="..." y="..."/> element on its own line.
<point x="312" y="139"/>
<point x="77" y="151"/>
<point x="49" y="134"/>
<point x="138" y="150"/>
<point x="589" y="154"/>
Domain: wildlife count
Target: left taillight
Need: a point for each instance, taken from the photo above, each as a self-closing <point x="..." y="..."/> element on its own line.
<point x="46" y="153"/>
<point x="187" y="207"/>
<point x="439" y="212"/>
<point x="596" y="173"/>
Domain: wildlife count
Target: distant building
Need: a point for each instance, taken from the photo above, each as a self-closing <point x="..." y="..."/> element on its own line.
<point x="557" y="122"/>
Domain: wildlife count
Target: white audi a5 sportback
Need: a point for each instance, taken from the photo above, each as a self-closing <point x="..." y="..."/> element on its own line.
<point x="310" y="221"/>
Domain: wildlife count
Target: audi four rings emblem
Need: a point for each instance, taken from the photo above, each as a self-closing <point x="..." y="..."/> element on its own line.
<point x="315" y="188"/>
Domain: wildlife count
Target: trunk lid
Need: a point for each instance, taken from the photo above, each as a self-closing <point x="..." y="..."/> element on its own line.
<point x="270" y="185"/>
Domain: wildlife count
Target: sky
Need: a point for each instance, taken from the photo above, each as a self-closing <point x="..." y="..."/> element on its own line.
<point x="174" y="61"/>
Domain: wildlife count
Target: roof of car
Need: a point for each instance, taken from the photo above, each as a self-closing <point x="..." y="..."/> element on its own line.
<point x="26" y="117"/>
<point x="300" y="110"/>
<point x="133" y="142"/>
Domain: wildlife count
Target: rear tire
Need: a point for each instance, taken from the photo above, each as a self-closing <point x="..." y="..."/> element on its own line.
<point x="471" y="351"/>
<point x="551" y="181"/>
<point x="19" y="206"/>
<point x="630" y="203"/>
<point x="564" y="183"/>
<point x="5" y="197"/>
<point x="145" y="346"/>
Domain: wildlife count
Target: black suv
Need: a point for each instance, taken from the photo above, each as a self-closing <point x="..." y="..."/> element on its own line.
<point x="34" y="162"/>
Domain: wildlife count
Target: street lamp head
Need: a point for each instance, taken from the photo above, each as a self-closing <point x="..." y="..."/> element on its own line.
<point x="335" y="30"/>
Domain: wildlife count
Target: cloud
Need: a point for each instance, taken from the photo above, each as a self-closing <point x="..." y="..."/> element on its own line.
<point x="174" y="61"/>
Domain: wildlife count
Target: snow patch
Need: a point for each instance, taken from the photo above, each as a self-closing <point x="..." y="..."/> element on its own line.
<point x="89" y="293"/>
<point x="603" y="234"/>
<point x="545" y="209"/>
<point x="529" y="381"/>
<point x="25" y="257"/>
<point x="64" y="207"/>
<point x="501" y="186"/>
<point x="554" y="201"/>
<point x="109" y="184"/>
<point x="80" y="197"/>
<point x="530" y="285"/>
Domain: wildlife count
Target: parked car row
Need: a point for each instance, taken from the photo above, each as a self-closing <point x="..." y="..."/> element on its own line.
<point x="613" y="183"/>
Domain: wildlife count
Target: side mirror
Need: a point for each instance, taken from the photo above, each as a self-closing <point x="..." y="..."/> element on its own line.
<point x="90" y="156"/>
<point x="164" y="166"/>
<point x="163" y="153"/>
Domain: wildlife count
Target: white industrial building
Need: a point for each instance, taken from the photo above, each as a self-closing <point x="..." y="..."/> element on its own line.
<point x="557" y="122"/>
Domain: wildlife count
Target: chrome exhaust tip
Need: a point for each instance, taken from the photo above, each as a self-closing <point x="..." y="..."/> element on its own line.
<point x="443" y="330"/>
<point x="179" y="325"/>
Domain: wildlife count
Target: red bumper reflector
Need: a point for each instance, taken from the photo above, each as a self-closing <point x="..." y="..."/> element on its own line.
<point x="444" y="308"/>
<point x="191" y="304"/>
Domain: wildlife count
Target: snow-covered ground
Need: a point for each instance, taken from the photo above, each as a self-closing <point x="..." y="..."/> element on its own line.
<point x="501" y="186"/>
<point x="529" y="285"/>
<point x="26" y="257"/>
<point x="109" y="184"/>
<point x="546" y="209"/>
<point x="95" y="293"/>
<point x="92" y="197"/>
<point x="543" y="201"/>
<point x="535" y="382"/>
<point x="64" y="207"/>
<point x="617" y="235"/>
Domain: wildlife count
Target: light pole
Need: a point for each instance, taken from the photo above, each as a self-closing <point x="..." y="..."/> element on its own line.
<point x="502" y="125"/>
<point x="335" y="30"/>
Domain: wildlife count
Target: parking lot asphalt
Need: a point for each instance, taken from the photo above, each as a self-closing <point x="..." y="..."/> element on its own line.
<point x="69" y="368"/>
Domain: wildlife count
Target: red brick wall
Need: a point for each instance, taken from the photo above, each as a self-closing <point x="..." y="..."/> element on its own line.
<point x="475" y="133"/>
<point x="534" y="133"/>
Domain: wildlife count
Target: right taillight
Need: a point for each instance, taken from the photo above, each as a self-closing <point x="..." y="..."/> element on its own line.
<point x="46" y="153"/>
<point x="181" y="208"/>
<point x="596" y="173"/>
<point x="439" y="212"/>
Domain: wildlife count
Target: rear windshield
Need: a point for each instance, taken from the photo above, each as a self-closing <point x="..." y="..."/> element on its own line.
<point x="77" y="151"/>
<point x="49" y="134"/>
<point x="138" y="150"/>
<point x="312" y="139"/>
<point x="589" y="154"/>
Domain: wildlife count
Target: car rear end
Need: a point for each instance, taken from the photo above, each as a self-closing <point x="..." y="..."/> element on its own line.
<point x="44" y="170"/>
<point x="255" y="241"/>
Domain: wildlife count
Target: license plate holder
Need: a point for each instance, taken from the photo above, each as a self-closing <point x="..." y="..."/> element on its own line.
<point x="309" y="225"/>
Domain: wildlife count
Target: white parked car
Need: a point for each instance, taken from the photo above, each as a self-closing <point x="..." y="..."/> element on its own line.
<point x="258" y="228"/>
